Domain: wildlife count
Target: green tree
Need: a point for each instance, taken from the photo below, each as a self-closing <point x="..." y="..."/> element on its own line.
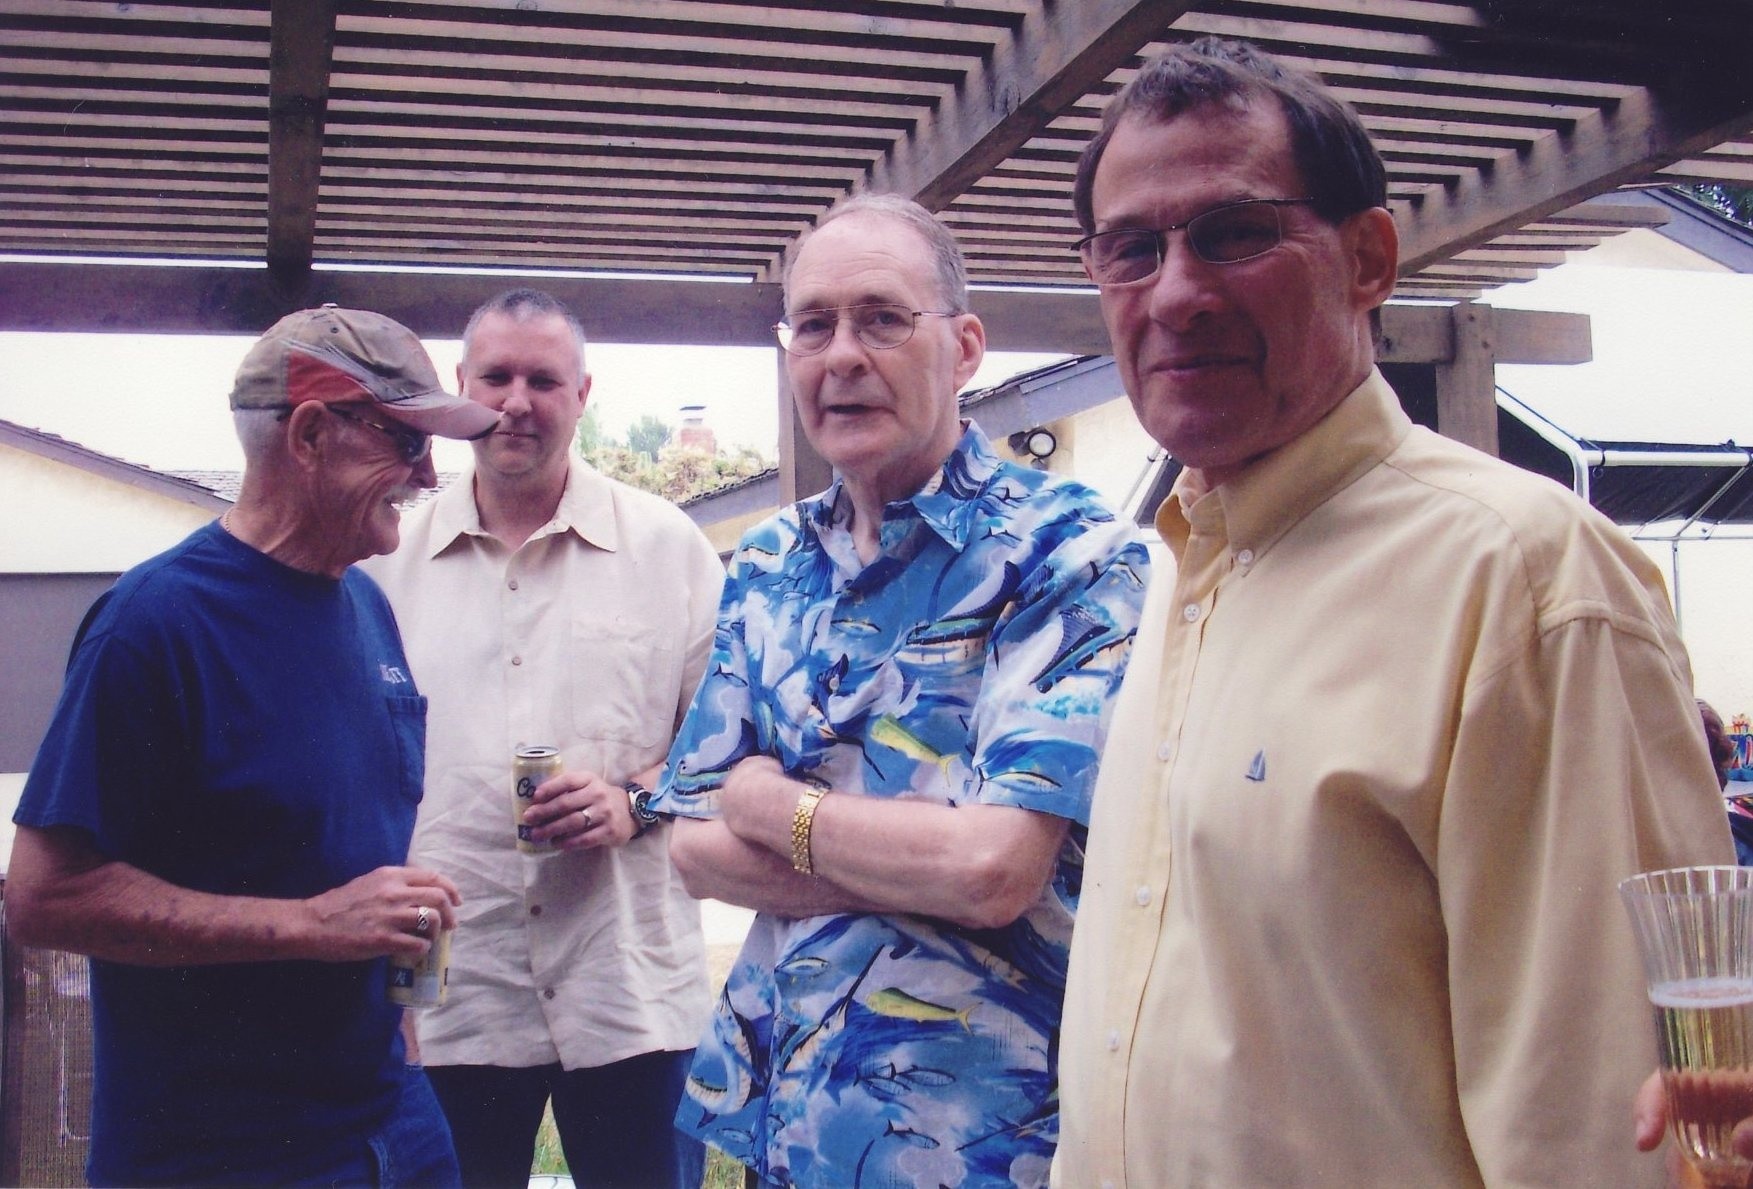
<point x="647" y="436"/>
<point x="678" y="474"/>
<point x="590" y="437"/>
<point x="683" y="474"/>
<point x="1734" y="201"/>
<point x="629" y="466"/>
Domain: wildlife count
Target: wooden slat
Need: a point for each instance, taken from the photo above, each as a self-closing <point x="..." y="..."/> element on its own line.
<point x="1706" y="170"/>
<point x="1646" y="132"/>
<point x="392" y="119"/>
<point x="141" y="15"/>
<point x="600" y="166"/>
<point x="1311" y="33"/>
<point x="916" y="28"/>
<point x="433" y="68"/>
<point x="771" y="47"/>
<point x="705" y="135"/>
<point x="567" y="93"/>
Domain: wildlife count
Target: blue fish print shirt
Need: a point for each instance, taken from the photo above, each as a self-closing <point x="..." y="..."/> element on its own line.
<point x="973" y="661"/>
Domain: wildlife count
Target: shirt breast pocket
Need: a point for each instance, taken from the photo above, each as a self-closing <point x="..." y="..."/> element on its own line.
<point x="624" y="685"/>
<point x="408" y="722"/>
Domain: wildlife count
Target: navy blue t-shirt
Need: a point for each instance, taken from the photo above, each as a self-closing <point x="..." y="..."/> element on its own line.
<point x="235" y="726"/>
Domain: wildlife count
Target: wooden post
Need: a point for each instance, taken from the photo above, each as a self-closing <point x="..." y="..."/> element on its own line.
<point x="802" y="472"/>
<point x="1466" y="383"/>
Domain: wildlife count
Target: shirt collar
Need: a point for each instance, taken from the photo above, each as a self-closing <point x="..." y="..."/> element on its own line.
<point x="945" y="503"/>
<point x="1273" y="493"/>
<point x="587" y="510"/>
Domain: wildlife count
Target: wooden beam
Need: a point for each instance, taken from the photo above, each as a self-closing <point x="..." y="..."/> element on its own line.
<point x="147" y="299"/>
<point x="1643" y="133"/>
<point x="150" y="299"/>
<point x="1058" y="54"/>
<point x="1035" y="321"/>
<point x="1425" y="334"/>
<point x="301" y="46"/>
<point x="1541" y="336"/>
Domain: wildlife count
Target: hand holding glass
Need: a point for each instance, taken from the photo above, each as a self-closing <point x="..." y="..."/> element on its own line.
<point x="1694" y="929"/>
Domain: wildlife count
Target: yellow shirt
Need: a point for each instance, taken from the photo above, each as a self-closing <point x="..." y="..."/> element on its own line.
<point x="1393" y="732"/>
<point x="591" y="637"/>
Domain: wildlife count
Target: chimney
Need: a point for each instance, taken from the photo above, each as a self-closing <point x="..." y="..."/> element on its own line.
<point x="695" y="434"/>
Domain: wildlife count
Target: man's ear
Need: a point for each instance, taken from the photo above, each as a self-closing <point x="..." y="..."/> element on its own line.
<point x="971" y="347"/>
<point x="1374" y="243"/>
<point x="307" y="433"/>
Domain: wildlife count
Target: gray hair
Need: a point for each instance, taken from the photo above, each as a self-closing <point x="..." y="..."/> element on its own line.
<point x="946" y="254"/>
<point x="522" y="305"/>
<point x="260" y="432"/>
<point x="1332" y="149"/>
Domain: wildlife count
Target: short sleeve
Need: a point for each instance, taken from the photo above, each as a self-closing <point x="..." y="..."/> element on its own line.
<point x="1054" y="669"/>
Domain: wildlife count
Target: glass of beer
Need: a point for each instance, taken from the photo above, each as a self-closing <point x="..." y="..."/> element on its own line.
<point x="1694" y="929"/>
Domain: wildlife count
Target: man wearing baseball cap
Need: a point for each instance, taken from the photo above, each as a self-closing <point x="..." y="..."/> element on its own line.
<point x="220" y="812"/>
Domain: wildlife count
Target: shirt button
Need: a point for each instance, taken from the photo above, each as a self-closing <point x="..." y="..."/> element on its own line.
<point x="547" y="992"/>
<point x="1245" y="557"/>
<point x="1190" y="612"/>
<point x="1165" y="750"/>
<point x="1142" y="895"/>
<point x="517" y="660"/>
<point x="512" y="584"/>
<point x="535" y="910"/>
<point x="1114" y="1041"/>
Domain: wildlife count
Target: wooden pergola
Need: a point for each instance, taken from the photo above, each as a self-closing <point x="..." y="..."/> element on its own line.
<point x="368" y="151"/>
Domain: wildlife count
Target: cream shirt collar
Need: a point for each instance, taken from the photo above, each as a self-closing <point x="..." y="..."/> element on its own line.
<point x="587" y="510"/>
<point x="1272" y="494"/>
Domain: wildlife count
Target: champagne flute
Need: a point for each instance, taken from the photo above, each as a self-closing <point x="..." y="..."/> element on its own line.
<point x="1694" y="930"/>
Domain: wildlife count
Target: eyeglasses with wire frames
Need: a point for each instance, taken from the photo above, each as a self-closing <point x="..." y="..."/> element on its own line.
<point x="1226" y="234"/>
<point x="879" y="325"/>
<point x="411" y="445"/>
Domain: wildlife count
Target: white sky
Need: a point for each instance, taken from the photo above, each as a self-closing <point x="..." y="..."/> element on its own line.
<point x="1673" y="354"/>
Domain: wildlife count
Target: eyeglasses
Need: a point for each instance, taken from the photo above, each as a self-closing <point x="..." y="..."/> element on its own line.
<point x="1227" y="234"/>
<point x="411" y="444"/>
<point x="881" y="325"/>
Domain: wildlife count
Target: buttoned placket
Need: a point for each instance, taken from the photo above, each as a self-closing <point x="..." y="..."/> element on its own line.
<point x="1203" y="567"/>
<point x="529" y="689"/>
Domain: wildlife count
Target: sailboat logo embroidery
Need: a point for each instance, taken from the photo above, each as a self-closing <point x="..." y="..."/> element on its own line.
<point x="1257" y="769"/>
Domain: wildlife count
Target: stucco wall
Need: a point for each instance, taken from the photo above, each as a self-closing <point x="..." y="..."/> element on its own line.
<point x="58" y="519"/>
<point x="39" y="614"/>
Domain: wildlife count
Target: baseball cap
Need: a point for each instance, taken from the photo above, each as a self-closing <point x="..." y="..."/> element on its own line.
<point x="338" y="356"/>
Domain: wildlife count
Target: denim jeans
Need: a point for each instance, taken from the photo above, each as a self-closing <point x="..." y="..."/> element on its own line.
<point x="412" y="1150"/>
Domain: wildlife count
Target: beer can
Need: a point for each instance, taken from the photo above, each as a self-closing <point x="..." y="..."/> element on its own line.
<point x="422" y="981"/>
<point x="530" y="766"/>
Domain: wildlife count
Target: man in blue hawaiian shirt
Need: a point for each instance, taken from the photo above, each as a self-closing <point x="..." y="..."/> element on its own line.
<point x="892" y="752"/>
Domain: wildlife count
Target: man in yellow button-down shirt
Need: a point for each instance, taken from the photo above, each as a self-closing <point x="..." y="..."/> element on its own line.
<point x="1396" y="724"/>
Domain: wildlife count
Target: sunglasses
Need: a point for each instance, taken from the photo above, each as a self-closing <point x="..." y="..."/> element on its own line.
<point x="411" y="444"/>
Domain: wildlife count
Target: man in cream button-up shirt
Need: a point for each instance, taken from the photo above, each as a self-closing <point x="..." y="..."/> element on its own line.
<point x="544" y="604"/>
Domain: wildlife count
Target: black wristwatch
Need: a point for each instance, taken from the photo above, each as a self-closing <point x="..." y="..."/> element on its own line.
<point x="639" y="801"/>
